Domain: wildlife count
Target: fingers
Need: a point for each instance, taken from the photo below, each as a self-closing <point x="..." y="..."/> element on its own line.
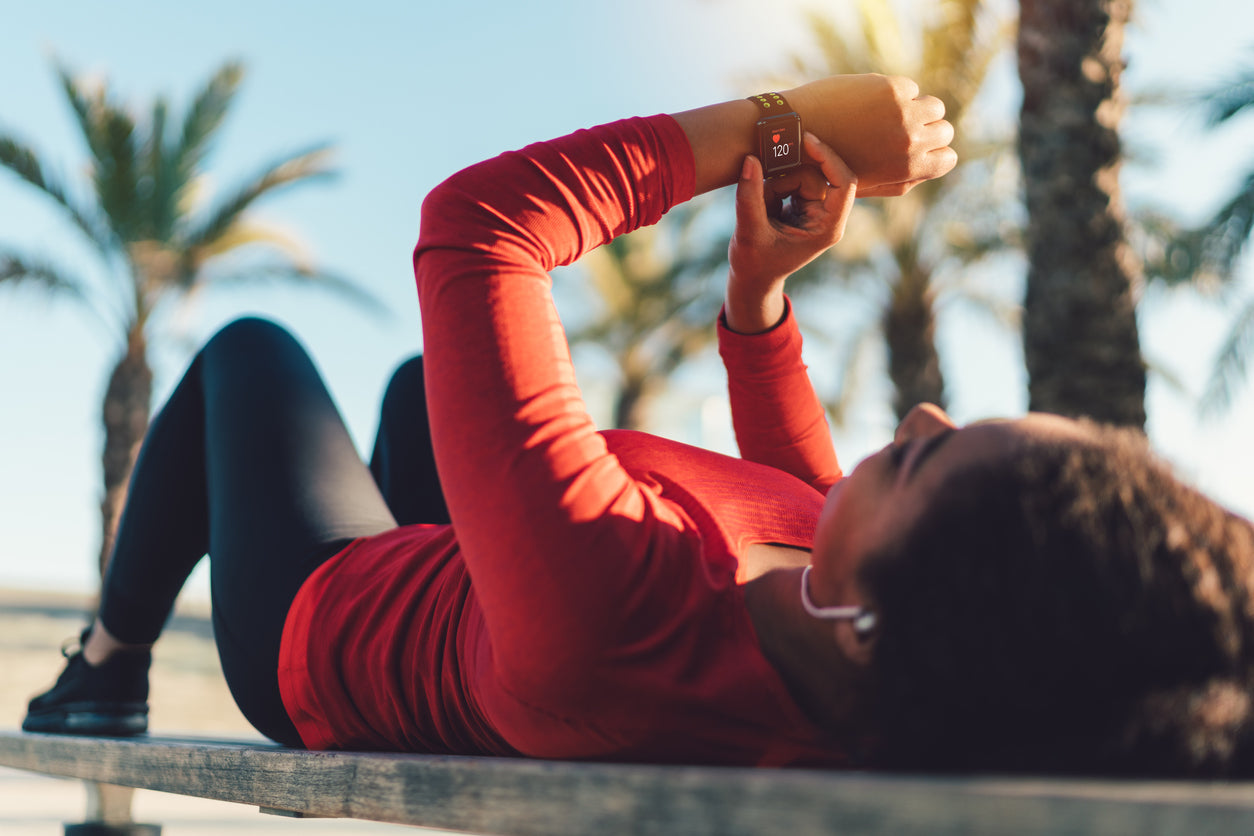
<point x="813" y="185"/>
<point x="842" y="182"/>
<point x="934" y="158"/>
<point x="929" y="153"/>
<point x="937" y="134"/>
<point x="905" y="86"/>
<point x="931" y="139"/>
<point x="940" y="161"/>
<point x="929" y="108"/>
<point x="833" y="167"/>
<point x="805" y="182"/>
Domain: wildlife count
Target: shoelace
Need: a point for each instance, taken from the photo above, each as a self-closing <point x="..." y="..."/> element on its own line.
<point x="72" y="646"/>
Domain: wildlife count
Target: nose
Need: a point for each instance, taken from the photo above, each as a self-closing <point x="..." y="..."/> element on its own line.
<point x="923" y="421"/>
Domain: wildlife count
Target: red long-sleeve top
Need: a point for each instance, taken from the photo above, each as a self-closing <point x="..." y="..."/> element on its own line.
<point x="584" y="601"/>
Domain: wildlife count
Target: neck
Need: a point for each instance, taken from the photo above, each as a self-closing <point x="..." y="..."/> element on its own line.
<point x="827" y="685"/>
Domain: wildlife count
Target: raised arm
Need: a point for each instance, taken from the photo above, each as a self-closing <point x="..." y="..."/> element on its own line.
<point x="559" y="540"/>
<point x="889" y="135"/>
<point x="777" y="416"/>
<point x="866" y="135"/>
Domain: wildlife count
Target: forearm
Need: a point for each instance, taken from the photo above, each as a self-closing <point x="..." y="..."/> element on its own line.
<point x="879" y="125"/>
<point x="778" y="418"/>
<point x="530" y="485"/>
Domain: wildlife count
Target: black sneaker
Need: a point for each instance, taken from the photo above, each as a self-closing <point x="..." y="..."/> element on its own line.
<point x="110" y="700"/>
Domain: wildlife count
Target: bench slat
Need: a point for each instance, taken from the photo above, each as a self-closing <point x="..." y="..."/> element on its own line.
<point x="516" y="796"/>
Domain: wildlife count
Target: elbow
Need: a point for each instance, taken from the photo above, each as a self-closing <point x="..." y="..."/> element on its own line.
<point x="452" y="220"/>
<point x="445" y="207"/>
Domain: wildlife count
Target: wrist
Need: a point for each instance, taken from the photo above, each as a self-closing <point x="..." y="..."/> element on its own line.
<point x="778" y="134"/>
<point x="753" y="312"/>
<point x="817" y="103"/>
<point x="860" y="117"/>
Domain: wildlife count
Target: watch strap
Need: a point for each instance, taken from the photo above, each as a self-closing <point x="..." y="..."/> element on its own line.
<point x="771" y="103"/>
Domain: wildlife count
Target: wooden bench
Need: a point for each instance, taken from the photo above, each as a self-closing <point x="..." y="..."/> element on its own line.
<point x="515" y="796"/>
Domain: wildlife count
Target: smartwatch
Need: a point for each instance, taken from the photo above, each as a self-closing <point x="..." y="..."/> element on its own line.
<point x="779" y="134"/>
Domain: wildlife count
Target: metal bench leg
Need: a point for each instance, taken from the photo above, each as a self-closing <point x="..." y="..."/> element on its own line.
<point x="109" y="814"/>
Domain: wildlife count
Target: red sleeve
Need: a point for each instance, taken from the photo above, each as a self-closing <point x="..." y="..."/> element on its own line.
<point x="776" y="414"/>
<point x="561" y="543"/>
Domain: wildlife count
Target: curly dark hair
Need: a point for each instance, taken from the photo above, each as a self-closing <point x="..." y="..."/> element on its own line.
<point x="1075" y="608"/>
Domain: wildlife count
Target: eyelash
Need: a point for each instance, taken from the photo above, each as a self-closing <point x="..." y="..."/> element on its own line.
<point x="897" y="454"/>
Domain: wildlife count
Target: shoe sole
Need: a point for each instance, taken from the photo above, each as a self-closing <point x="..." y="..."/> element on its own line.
<point x="126" y="721"/>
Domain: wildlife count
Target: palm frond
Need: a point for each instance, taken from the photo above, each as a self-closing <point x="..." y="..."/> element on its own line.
<point x="110" y="134"/>
<point x="1143" y="152"/>
<point x="116" y="173"/>
<point x="1204" y="257"/>
<point x="1171" y="254"/>
<point x="953" y="32"/>
<point x="16" y="269"/>
<point x="249" y="234"/>
<point x="1227" y="234"/>
<point x="1162" y="372"/>
<point x="948" y="42"/>
<point x="160" y="193"/>
<point x="1162" y="94"/>
<point x="302" y="166"/>
<point x="1231" y="364"/>
<point x="203" y="118"/>
<point x="592" y="333"/>
<point x="850" y="376"/>
<point x="24" y="162"/>
<point x="968" y="75"/>
<point x="1007" y="314"/>
<point x="880" y="30"/>
<point x="684" y="345"/>
<point x="87" y="109"/>
<point x="841" y="55"/>
<point x="284" y="273"/>
<point x="971" y="245"/>
<point x="1225" y="101"/>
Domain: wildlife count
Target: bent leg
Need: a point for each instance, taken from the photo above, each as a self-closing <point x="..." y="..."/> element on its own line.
<point x="251" y="462"/>
<point x="403" y="463"/>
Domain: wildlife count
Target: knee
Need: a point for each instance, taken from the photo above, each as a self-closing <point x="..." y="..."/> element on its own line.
<point x="249" y="336"/>
<point x="408" y="377"/>
<point x="405" y="393"/>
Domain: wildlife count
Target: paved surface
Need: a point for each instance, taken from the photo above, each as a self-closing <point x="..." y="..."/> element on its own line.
<point x="188" y="695"/>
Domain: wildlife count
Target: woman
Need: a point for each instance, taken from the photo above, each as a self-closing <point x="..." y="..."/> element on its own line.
<point x="596" y="595"/>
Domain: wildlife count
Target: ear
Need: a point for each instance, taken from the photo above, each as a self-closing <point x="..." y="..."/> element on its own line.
<point x="859" y="649"/>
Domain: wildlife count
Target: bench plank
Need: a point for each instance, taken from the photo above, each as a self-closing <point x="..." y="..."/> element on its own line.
<point x="525" y="797"/>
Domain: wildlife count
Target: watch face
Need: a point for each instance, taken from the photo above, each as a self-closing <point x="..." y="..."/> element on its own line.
<point x="779" y="143"/>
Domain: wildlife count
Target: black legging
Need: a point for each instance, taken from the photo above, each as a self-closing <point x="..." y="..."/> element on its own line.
<point x="250" y="462"/>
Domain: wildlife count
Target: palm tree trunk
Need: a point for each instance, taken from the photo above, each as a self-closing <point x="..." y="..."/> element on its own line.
<point x="127" y="405"/>
<point x="910" y="335"/>
<point x="629" y="405"/>
<point x="1080" y="333"/>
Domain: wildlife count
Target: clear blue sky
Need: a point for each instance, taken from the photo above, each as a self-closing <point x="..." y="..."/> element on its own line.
<point x="410" y="92"/>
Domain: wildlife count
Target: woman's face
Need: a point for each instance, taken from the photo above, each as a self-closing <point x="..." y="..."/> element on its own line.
<point x="889" y="489"/>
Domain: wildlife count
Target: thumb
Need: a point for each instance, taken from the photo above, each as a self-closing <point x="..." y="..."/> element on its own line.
<point x="750" y="196"/>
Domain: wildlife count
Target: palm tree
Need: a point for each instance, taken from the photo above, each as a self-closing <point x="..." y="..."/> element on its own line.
<point x="654" y="301"/>
<point x="1080" y="334"/>
<point x="636" y="279"/>
<point x="919" y="247"/>
<point x="152" y="239"/>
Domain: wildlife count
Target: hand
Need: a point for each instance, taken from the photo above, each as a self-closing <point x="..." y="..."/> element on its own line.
<point x="773" y="240"/>
<point x="892" y="137"/>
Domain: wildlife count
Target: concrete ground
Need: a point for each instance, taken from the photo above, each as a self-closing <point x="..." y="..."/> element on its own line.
<point x="188" y="696"/>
